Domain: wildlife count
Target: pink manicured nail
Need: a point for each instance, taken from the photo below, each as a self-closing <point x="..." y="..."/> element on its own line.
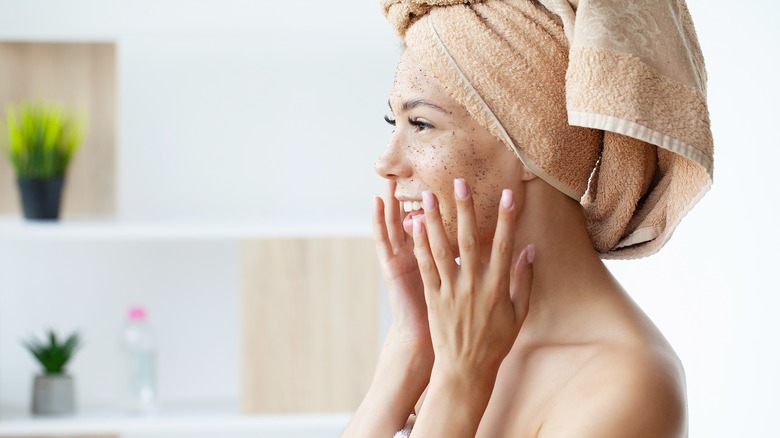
<point x="427" y="200"/>
<point x="461" y="191"/>
<point x="530" y="253"/>
<point x="507" y="199"/>
<point x="417" y="223"/>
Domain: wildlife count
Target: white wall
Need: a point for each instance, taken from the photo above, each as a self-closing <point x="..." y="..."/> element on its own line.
<point x="271" y="127"/>
<point x="238" y="110"/>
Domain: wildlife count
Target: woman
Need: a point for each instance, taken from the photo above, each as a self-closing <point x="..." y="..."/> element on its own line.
<point x="531" y="140"/>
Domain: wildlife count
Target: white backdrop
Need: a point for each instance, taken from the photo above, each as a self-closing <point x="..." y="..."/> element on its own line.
<point x="271" y="111"/>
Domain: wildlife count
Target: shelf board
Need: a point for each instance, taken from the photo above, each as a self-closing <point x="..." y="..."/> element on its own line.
<point x="202" y="418"/>
<point x="15" y="228"/>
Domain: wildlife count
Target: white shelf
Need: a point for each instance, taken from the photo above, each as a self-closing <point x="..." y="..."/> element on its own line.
<point x="15" y="228"/>
<point x="218" y="420"/>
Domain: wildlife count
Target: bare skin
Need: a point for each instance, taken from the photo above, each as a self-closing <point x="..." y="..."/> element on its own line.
<point x="507" y="343"/>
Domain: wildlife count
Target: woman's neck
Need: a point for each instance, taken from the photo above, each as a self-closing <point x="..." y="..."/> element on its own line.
<point x="568" y="273"/>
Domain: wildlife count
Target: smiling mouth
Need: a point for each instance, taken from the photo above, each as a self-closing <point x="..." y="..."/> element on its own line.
<point x="412" y="208"/>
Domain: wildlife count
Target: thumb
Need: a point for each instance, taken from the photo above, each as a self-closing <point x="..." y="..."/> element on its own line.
<point x="522" y="282"/>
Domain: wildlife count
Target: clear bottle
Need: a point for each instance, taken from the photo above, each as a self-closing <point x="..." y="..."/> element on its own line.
<point x="140" y="374"/>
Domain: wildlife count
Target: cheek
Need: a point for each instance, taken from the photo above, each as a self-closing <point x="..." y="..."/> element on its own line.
<point x="486" y="193"/>
<point x="463" y="160"/>
<point x="438" y="162"/>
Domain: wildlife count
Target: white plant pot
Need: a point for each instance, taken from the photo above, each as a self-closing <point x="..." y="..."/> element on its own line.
<point x="53" y="395"/>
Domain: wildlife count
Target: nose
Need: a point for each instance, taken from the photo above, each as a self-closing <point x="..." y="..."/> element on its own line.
<point x="393" y="163"/>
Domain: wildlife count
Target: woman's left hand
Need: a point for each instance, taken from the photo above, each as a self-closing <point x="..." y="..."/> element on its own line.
<point x="475" y="310"/>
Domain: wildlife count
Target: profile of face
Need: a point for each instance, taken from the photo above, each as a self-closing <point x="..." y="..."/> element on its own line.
<point x="435" y="141"/>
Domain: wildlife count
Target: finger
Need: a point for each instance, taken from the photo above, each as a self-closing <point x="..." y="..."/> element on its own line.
<point x="384" y="249"/>
<point x="504" y="239"/>
<point x="437" y="238"/>
<point x="395" y="228"/>
<point x="468" y="236"/>
<point x="425" y="260"/>
<point x="522" y="283"/>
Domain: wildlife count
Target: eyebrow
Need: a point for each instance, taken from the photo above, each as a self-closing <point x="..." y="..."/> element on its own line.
<point x="411" y="104"/>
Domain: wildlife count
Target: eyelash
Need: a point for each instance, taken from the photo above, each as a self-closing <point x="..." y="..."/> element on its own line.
<point x="416" y="123"/>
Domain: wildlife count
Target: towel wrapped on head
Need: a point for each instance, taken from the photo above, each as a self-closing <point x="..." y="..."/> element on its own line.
<point x="605" y="100"/>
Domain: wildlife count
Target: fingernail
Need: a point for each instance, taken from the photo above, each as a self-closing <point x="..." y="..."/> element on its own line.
<point x="507" y="199"/>
<point x="417" y="224"/>
<point x="530" y="253"/>
<point x="461" y="191"/>
<point x="427" y="200"/>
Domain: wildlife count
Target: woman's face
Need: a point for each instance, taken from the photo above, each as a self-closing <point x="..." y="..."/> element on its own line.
<point x="435" y="141"/>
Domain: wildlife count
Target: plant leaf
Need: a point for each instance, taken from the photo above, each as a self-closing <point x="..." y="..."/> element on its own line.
<point x="42" y="138"/>
<point x="53" y="355"/>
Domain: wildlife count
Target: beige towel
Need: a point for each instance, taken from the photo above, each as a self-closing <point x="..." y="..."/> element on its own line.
<point x="603" y="99"/>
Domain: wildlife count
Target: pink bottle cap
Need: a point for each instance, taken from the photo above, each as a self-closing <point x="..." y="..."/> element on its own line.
<point x="137" y="313"/>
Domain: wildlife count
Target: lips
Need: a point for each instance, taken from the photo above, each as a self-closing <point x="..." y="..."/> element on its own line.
<point x="413" y="208"/>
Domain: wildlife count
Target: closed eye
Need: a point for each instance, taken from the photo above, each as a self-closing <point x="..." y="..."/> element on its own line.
<point x="390" y="121"/>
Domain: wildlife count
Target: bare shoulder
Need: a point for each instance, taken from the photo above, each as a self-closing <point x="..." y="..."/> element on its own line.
<point x="622" y="391"/>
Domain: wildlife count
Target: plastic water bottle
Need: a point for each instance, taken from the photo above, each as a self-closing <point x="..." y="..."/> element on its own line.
<point x="140" y="392"/>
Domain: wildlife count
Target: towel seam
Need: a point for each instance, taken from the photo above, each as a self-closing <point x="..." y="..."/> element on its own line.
<point x="640" y="132"/>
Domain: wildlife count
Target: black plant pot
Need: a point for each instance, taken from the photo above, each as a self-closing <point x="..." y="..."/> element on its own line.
<point x="41" y="197"/>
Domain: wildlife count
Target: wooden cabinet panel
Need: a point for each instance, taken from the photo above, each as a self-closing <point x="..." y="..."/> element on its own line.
<point x="310" y="323"/>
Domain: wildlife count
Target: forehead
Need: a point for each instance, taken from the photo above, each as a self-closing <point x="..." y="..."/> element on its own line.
<point x="414" y="80"/>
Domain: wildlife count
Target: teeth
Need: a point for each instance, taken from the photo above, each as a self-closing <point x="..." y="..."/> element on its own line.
<point x="412" y="205"/>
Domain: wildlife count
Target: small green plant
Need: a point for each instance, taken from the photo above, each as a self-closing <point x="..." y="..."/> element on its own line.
<point x="54" y="355"/>
<point x="42" y="139"/>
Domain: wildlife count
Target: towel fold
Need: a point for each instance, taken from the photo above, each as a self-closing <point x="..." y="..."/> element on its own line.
<point x="603" y="99"/>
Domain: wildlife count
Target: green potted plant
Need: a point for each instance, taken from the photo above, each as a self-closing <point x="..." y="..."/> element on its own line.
<point x="53" y="392"/>
<point x="42" y="139"/>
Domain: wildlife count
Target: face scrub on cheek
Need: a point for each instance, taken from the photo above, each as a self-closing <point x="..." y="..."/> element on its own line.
<point x="456" y="146"/>
<point x="444" y="143"/>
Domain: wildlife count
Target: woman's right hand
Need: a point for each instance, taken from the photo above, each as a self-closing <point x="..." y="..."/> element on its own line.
<point x="409" y="331"/>
<point x="405" y="363"/>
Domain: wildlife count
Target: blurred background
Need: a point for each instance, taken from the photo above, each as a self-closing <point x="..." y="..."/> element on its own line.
<point x="230" y="141"/>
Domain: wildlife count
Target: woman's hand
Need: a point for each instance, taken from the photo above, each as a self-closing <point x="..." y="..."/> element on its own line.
<point x="395" y="251"/>
<point x="476" y="309"/>
<point x="405" y="362"/>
